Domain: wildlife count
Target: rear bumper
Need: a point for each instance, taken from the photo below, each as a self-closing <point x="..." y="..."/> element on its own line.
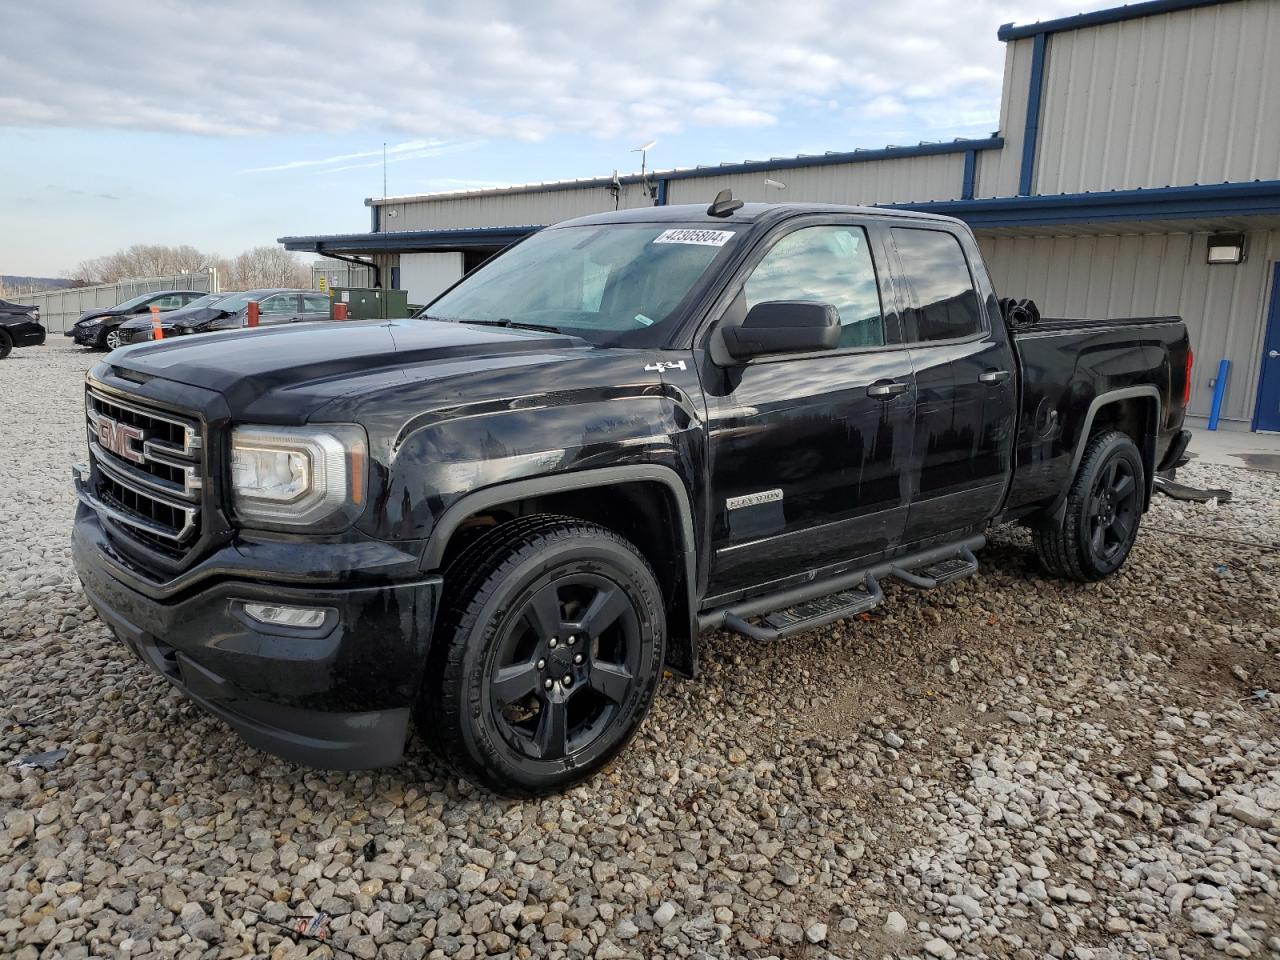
<point x="1176" y="455"/>
<point x="336" y="697"/>
<point x="28" y="334"/>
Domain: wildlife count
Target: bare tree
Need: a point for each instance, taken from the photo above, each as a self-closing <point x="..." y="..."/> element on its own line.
<point x="267" y="266"/>
<point x="143" y="260"/>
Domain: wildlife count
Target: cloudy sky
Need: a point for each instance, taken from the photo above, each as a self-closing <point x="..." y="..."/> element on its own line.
<point x="225" y="124"/>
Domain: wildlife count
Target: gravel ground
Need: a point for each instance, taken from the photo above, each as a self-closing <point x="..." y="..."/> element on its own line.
<point x="1007" y="767"/>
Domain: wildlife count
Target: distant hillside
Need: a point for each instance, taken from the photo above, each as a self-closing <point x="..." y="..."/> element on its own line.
<point x="31" y="284"/>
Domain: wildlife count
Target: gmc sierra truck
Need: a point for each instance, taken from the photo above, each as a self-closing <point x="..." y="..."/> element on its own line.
<point x="499" y="521"/>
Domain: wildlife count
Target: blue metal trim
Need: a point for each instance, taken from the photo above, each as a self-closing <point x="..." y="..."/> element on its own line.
<point x="828" y="159"/>
<point x="1202" y="201"/>
<point x="1132" y="11"/>
<point x="970" y="174"/>
<point x="409" y="241"/>
<point x="1032" y="129"/>
<point x="662" y="192"/>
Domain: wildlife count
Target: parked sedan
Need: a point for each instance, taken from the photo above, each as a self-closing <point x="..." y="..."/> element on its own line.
<point x="229" y="311"/>
<point x="98" y="328"/>
<point x="19" y="327"/>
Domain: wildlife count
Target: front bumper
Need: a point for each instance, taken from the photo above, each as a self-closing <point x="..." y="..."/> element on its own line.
<point x="337" y="697"/>
<point x="92" y="336"/>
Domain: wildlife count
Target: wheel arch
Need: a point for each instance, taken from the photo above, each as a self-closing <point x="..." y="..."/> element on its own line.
<point x="624" y="498"/>
<point x="1131" y="410"/>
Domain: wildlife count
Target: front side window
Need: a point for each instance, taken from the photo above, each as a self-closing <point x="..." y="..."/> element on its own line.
<point x="828" y="264"/>
<point x="617" y="283"/>
<point x="280" y="305"/>
<point x="170" y="302"/>
<point x="945" y="305"/>
<point x="315" y="303"/>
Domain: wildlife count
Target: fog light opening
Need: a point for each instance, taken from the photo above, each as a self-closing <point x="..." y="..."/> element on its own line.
<point x="279" y="615"/>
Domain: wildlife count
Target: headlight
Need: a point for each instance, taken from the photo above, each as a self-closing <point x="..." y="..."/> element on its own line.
<point x="299" y="476"/>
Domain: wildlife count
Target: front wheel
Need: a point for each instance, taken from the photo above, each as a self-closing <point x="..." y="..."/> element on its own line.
<point x="113" y="341"/>
<point x="6" y="344"/>
<point x="1103" y="510"/>
<point x="547" y="658"/>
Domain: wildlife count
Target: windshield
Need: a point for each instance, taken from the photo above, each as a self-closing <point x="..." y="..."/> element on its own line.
<point x="135" y="301"/>
<point x="609" y="283"/>
<point x="238" y="301"/>
<point x="208" y="300"/>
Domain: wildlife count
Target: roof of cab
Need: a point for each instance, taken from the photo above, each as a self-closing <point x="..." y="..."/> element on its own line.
<point x="747" y="213"/>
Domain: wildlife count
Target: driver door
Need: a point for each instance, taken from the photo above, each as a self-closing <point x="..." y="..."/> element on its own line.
<point x="809" y="453"/>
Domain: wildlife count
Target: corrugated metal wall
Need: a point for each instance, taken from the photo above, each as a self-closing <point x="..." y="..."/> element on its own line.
<point x="508" y="208"/>
<point x="1149" y="275"/>
<point x="998" y="170"/>
<point x="938" y="177"/>
<point x="1180" y="98"/>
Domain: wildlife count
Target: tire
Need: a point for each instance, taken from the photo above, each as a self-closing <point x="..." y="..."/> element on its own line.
<point x="111" y="340"/>
<point x="6" y="344"/>
<point x="1103" y="512"/>
<point x="528" y="605"/>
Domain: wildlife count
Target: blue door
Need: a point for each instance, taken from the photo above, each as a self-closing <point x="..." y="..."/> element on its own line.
<point x="1268" y="417"/>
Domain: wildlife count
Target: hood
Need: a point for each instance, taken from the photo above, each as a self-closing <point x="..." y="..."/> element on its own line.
<point x="90" y="314"/>
<point x="314" y="364"/>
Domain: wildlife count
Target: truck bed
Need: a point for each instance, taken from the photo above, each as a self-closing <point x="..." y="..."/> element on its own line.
<point x="1064" y="366"/>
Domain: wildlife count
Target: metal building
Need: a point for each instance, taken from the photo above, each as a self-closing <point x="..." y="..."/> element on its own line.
<point x="1128" y="139"/>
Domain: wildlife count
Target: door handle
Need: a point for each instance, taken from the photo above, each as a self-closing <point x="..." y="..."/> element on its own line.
<point x="886" y="389"/>
<point x="1274" y="354"/>
<point x="993" y="376"/>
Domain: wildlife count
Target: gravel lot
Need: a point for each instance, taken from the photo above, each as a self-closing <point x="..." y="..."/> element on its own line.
<point x="1007" y="767"/>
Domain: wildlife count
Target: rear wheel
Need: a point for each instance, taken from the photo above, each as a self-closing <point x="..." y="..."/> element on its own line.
<point x="6" y="344"/>
<point x="547" y="658"/>
<point x="1103" y="511"/>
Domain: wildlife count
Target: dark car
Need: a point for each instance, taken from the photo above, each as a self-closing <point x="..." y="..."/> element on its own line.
<point x="229" y="311"/>
<point x="19" y="327"/>
<point x="499" y="523"/>
<point x="97" y="328"/>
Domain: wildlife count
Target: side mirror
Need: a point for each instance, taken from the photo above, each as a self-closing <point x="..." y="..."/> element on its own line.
<point x="784" y="326"/>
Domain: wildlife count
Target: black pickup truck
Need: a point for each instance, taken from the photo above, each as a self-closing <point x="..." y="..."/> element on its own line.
<point x="499" y="521"/>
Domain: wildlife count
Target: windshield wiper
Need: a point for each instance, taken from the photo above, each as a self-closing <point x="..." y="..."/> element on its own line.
<point x="516" y="324"/>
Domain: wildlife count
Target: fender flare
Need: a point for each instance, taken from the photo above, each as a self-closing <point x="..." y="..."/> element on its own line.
<point x="472" y="503"/>
<point x="1101" y="400"/>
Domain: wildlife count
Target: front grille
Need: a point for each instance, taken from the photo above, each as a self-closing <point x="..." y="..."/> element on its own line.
<point x="148" y="476"/>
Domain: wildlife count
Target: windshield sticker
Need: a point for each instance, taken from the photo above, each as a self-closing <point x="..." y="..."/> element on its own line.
<point x="643" y="320"/>
<point x="703" y="238"/>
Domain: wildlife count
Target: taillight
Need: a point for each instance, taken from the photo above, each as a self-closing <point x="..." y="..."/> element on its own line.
<point x="1186" y="390"/>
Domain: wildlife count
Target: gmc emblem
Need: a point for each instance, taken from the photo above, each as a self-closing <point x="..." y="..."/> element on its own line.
<point x="115" y="436"/>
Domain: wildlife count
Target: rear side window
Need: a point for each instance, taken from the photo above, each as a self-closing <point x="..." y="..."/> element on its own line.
<point x="945" y="305"/>
<point x="826" y="264"/>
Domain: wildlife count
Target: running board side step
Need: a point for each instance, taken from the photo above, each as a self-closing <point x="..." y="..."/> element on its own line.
<point x="810" y="614"/>
<point x="822" y="602"/>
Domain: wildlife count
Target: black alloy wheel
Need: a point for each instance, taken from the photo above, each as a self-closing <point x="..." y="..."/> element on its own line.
<point x="1113" y="510"/>
<point x="564" y="666"/>
<point x="546" y="656"/>
<point x="1099" y="521"/>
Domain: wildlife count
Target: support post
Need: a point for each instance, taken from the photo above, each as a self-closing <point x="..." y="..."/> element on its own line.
<point x="1219" y="393"/>
<point x="253" y="313"/>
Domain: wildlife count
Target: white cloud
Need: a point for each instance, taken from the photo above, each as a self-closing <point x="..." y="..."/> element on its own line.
<point x="458" y="71"/>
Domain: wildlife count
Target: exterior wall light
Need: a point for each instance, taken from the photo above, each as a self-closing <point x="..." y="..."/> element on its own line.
<point x="1226" y="248"/>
